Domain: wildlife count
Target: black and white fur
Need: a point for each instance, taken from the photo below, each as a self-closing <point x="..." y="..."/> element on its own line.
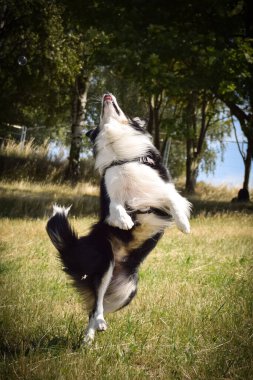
<point x="138" y="201"/>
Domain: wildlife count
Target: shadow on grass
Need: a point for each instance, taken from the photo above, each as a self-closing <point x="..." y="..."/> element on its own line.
<point x="211" y="207"/>
<point x="54" y="345"/>
<point x="28" y="204"/>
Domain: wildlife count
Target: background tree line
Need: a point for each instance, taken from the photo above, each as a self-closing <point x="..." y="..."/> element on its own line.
<point x="185" y="66"/>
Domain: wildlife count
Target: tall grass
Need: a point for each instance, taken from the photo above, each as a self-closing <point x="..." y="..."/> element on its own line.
<point x="207" y="192"/>
<point x="11" y="148"/>
<point x="32" y="162"/>
<point x="192" y="317"/>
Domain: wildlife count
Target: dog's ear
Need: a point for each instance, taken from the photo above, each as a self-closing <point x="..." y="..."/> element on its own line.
<point x="141" y="122"/>
<point x="92" y="134"/>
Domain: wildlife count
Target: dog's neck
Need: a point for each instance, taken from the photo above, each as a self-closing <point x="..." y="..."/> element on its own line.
<point x="119" y="142"/>
<point x="145" y="160"/>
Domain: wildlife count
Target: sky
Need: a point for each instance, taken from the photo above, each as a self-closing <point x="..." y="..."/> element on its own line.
<point x="230" y="171"/>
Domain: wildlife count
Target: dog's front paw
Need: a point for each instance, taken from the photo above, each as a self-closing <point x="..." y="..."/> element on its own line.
<point x="124" y="222"/>
<point x="119" y="217"/>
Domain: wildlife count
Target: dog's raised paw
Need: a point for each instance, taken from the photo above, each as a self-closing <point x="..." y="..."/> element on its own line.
<point x="126" y="222"/>
<point x="122" y="221"/>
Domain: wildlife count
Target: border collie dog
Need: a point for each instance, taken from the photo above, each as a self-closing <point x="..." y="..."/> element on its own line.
<point x="138" y="201"/>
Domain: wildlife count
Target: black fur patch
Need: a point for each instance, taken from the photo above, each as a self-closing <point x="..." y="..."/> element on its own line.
<point x="92" y="134"/>
<point x="116" y="108"/>
<point x="86" y="259"/>
<point x="135" y="125"/>
<point x="137" y="255"/>
<point x="158" y="165"/>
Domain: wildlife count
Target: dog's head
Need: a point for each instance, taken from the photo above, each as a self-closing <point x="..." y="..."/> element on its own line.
<point x="118" y="137"/>
<point x="111" y="110"/>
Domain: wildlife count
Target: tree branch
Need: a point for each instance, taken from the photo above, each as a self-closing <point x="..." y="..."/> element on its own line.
<point x="236" y="111"/>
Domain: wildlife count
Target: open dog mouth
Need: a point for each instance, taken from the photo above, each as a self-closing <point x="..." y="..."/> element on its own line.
<point x="108" y="98"/>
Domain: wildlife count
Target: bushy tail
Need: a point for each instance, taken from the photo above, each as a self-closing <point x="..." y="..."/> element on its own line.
<point x="60" y="231"/>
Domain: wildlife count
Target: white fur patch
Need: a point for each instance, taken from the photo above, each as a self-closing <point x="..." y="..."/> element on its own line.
<point x="118" y="292"/>
<point x="118" y="141"/>
<point x="140" y="186"/>
<point x="61" y="210"/>
<point x="97" y="321"/>
<point x="119" y="217"/>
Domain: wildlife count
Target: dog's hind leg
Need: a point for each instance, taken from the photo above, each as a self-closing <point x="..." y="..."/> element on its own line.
<point x="97" y="321"/>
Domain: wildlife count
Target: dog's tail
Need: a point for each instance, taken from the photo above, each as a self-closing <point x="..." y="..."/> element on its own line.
<point x="60" y="231"/>
<point x="73" y="252"/>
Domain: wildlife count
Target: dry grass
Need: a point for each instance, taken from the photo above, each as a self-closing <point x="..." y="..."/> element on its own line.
<point x="32" y="162"/>
<point x="207" y="192"/>
<point x="30" y="148"/>
<point x="192" y="317"/>
<point x="56" y="190"/>
<point x="33" y="200"/>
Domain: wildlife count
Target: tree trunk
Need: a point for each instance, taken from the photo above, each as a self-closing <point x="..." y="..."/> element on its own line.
<point x="191" y="169"/>
<point x="154" y="119"/>
<point x="247" y="164"/>
<point x="150" y="118"/>
<point x="246" y="124"/>
<point x="190" y="121"/>
<point x="78" y="113"/>
<point x="196" y="135"/>
<point x="156" y="126"/>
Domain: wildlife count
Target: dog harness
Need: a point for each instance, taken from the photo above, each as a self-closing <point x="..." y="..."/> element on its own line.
<point x="146" y="160"/>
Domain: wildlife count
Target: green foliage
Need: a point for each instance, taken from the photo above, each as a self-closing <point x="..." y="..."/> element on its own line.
<point x="172" y="51"/>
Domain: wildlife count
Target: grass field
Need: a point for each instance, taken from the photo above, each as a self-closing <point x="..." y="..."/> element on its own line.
<point x="192" y="317"/>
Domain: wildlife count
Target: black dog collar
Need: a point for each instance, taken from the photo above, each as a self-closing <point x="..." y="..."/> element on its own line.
<point x="146" y="160"/>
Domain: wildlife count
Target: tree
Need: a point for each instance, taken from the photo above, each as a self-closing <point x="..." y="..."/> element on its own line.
<point x="201" y="121"/>
<point x="235" y="87"/>
<point x="88" y="43"/>
<point x="38" y="63"/>
<point x="82" y="83"/>
<point x="170" y="55"/>
<point x="182" y="54"/>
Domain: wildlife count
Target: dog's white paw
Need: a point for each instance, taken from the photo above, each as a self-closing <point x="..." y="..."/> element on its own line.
<point x="101" y="324"/>
<point x="119" y="218"/>
<point x="124" y="222"/>
<point x="182" y="223"/>
<point x="88" y="337"/>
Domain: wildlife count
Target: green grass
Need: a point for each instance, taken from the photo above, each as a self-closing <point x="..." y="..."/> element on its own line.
<point x="192" y="317"/>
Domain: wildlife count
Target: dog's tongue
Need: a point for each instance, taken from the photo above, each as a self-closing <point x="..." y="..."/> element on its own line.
<point x="107" y="97"/>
